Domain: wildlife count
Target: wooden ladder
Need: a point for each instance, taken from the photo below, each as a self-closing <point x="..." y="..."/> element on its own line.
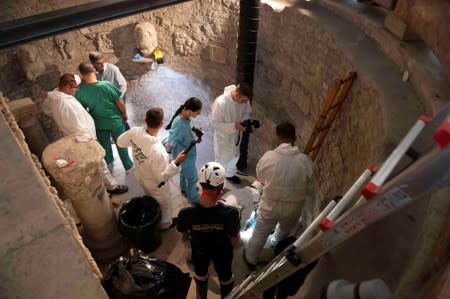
<point x="336" y="97"/>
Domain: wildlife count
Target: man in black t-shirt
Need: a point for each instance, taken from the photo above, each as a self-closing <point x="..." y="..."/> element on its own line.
<point x="214" y="229"/>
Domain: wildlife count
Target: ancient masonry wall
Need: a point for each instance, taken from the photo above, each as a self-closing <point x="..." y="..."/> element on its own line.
<point x="297" y="62"/>
<point x="198" y="38"/>
<point x="36" y="237"/>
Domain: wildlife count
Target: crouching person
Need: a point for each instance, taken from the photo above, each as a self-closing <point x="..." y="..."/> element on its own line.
<point x="214" y="229"/>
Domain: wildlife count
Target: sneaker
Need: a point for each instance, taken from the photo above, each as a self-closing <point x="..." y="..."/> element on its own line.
<point x="128" y="171"/>
<point x="250" y="266"/>
<point x="118" y="189"/>
<point x="234" y="179"/>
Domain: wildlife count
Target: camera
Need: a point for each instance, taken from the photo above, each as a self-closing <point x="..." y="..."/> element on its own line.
<point x="249" y="123"/>
<point x="197" y="132"/>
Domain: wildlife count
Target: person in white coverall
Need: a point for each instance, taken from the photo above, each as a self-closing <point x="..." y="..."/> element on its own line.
<point x="229" y="110"/>
<point x="152" y="162"/>
<point x="71" y="118"/>
<point x="288" y="179"/>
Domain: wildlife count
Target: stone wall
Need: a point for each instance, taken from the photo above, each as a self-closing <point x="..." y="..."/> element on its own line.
<point x="195" y="36"/>
<point x="298" y="60"/>
<point x="198" y="38"/>
<point x="37" y="230"/>
<point x="429" y="19"/>
<point x="301" y="51"/>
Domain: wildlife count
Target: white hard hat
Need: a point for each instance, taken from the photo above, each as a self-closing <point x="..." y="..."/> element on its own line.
<point x="212" y="173"/>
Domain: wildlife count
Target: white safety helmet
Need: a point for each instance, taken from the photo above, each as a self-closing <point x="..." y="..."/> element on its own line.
<point x="212" y="173"/>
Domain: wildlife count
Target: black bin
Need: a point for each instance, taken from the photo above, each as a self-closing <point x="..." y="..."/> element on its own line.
<point x="139" y="223"/>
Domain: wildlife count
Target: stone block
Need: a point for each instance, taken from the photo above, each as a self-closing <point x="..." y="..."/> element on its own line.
<point x="49" y="266"/>
<point x="82" y="181"/>
<point x="146" y="38"/>
<point x="30" y="61"/>
<point x="218" y="54"/>
<point x="23" y="108"/>
<point x="398" y="27"/>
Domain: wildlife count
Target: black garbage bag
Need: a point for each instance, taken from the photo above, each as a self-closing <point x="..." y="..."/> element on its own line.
<point x="139" y="277"/>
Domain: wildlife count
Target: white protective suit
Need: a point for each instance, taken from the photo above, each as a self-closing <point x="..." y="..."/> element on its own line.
<point x="289" y="181"/>
<point x="71" y="118"/>
<point x="225" y="114"/>
<point x="153" y="166"/>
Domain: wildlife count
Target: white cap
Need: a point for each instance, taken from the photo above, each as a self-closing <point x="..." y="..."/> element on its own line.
<point x="77" y="79"/>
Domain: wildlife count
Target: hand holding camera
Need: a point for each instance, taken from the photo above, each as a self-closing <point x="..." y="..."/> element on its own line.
<point x="249" y="124"/>
<point x="198" y="133"/>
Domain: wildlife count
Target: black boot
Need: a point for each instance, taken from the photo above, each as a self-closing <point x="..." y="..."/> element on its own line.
<point x="201" y="289"/>
<point x="225" y="289"/>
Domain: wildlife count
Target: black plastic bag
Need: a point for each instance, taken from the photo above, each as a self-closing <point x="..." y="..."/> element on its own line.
<point x="139" y="276"/>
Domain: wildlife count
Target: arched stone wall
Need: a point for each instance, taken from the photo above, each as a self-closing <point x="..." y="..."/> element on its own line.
<point x="301" y="51"/>
<point x="429" y="19"/>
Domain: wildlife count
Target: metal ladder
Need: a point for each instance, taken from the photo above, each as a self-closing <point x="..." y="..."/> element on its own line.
<point x="431" y="171"/>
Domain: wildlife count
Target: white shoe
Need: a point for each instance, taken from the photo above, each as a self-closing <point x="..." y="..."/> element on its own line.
<point x="129" y="170"/>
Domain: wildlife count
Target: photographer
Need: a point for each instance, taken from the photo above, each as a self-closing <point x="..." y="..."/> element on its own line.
<point x="181" y="135"/>
<point x="229" y="111"/>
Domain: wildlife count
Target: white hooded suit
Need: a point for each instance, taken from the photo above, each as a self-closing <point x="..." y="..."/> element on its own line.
<point x="287" y="175"/>
<point x="153" y="166"/>
<point x="225" y="114"/>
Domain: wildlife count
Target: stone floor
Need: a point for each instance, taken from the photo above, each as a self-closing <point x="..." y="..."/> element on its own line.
<point x="168" y="89"/>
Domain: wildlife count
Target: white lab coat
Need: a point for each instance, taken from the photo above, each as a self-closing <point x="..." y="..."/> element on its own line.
<point x="225" y="113"/>
<point x="153" y="166"/>
<point x="71" y="118"/>
<point x="68" y="114"/>
<point x="288" y="178"/>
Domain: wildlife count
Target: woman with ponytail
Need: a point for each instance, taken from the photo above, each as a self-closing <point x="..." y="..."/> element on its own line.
<point x="180" y="137"/>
